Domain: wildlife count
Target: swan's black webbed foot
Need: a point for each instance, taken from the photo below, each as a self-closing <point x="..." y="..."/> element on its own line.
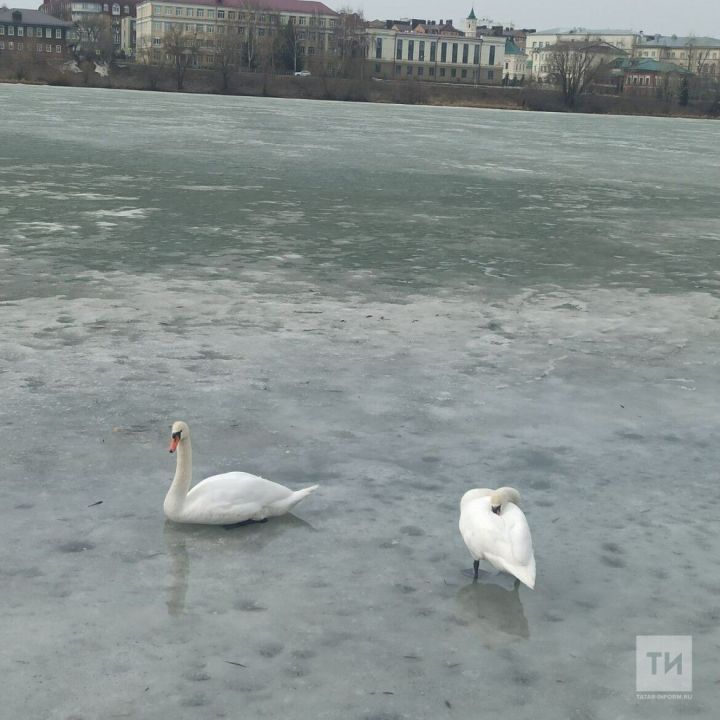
<point x="476" y="568"/>
<point x="244" y="522"/>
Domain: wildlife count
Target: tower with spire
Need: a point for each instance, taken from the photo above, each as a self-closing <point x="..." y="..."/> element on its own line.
<point x="471" y="24"/>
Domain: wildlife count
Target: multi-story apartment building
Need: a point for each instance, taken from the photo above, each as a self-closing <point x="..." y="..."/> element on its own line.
<point x="699" y="55"/>
<point x="24" y="30"/>
<point x="204" y="20"/>
<point x="421" y="50"/>
<point x="86" y="15"/>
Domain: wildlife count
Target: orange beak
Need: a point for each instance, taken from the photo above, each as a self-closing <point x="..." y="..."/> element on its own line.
<point x="174" y="441"/>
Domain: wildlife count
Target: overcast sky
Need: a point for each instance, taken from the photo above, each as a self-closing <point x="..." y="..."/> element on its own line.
<point x="701" y="17"/>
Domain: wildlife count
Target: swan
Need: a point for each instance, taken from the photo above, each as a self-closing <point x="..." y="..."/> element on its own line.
<point x="494" y="528"/>
<point x="225" y="499"/>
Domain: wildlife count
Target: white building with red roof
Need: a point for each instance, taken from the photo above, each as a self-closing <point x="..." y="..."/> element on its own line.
<point x="254" y="21"/>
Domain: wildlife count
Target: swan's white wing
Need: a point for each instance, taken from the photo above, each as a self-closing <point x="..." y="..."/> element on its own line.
<point x="518" y="533"/>
<point x="483" y="532"/>
<point x="236" y="488"/>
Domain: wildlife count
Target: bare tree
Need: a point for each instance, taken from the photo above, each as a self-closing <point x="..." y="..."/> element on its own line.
<point x="349" y="44"/>
<point x="228" y="52"/>
<point x="95" y="34"/>
<point x="251" y="32"/>
<point x="179" y="49"/>
<point x="574" y="67"/>
<point x="154" y="66"/>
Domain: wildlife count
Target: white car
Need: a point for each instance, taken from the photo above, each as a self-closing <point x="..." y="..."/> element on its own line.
<point x="303" y="73"/>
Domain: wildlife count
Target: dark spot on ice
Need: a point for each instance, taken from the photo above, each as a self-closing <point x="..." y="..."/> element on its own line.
<point x="295" y="671"/>
<point x="524" y="678"/>
<point x="75" y="546"/>
<point x="197" y="676"/>
<point x="425" y="612"/>
<point x="540" y="484"/>
<point x="194" y="701"/>
<point x="383" y="716"/>
<point x="249" y="606"/>
<point x="587" y="604"/>
<point x="553" y="618"/>
<point x="24" y="506"/>
<point x="31" y="572"/>
<point x="538" y="459"/>
<point x="303" y="654"/>
<point x="612" y="561"/>
<point x="406" y="589"/>
<point x="412" y="530"/>
<point x="629" y="435"/>
<point x="612" y="547"/>
<point x="270" y="650"/>
<point x="455" y="620"/>
<point x="431" y="459"/>
<point x="544" y="502"/>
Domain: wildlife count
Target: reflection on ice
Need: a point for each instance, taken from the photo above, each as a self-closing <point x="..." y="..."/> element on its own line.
<point x="494" y="612"/>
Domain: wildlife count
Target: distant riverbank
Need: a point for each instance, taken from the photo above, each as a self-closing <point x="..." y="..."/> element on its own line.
<point x="141" y="77"/>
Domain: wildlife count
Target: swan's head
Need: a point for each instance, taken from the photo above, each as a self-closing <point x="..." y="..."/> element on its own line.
<point x="501" y="496"/>
<point x="180" y="431"/>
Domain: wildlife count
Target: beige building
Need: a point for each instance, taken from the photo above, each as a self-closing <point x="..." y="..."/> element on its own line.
<point x="434" y="51"/>
<point x="623" y="40"/>
<point x="203" y="20"/>
<point x="699" y="55"/>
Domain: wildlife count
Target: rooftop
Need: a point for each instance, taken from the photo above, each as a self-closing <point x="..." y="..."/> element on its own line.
<point x="288" y="6"/>
<point x="31" y="17"/>
<point x="584" y="31"/>
<point x="679" y="42"/>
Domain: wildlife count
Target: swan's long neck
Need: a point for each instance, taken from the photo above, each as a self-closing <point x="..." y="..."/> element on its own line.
<point x="183" y="477"/>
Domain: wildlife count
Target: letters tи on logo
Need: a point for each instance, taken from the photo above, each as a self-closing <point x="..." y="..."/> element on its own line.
<point x="663" y="663"/>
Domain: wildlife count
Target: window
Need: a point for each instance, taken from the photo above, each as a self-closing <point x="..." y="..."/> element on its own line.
<point x="421" y="51"/>
<point x="443" y="52"/>
<point x="293" y="19"/>
<point x="463" y="73"/>
<point x="200" y="13"/>
<point x="178" y="11"/>
<point x="189" y="12"/>
<point x="2" y="29"/>
<point x="491" y="59"/>
<point x="476" y="55"/>
<point x="491" y="74"/>
<point x="421" y="71"/>
<point x="48" y="32"/>
<point x="116" y="9"/>
<point x="48" y="48"/>
<point x="28" y="31"/>
<point x="199" y="28"/>
<point x="442" y="72"/>
<point x="58" y="33"/>
<point x="466" y="50"/>
<point x="58" y="48"/>
<point x="301" y="20"/>
<point x="211" y="14"/>
<point x="377" y="67"/>
<point x="19" y="46"/>
<point x="126" y="10"/>
<point x="188" y="27"/>
<point x="221" y="14"/>
<point x="231" y="14"/>
<point x="378" y="48"/>
<point x="431" y="72"/>
<point x="11" y="30"/>
<point x="453" y="73"/>
<point x="11" y="45"/>
<point x="411" y="49"/>
<point x="156" y="41"/>
<point x="454" y="52"/>
<point x="106" y="8"/>
<point x="398" y="54"/>
<point x="397" y="69"/>
<point x="433" y="48"/>
<point x="409" y="69"/>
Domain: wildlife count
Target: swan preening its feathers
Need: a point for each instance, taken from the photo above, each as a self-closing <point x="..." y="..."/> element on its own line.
<point x="226" y="499"/>
<point x="494" y="528"/>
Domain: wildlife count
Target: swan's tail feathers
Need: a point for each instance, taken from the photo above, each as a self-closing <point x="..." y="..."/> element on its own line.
<point x="525" y="573"/>
<point x="299" y="495"/>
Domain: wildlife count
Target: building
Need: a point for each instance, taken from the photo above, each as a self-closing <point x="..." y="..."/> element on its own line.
<point x="544" y="59"/>
<point x="517" y="64"/>
<point x="434" y="51"/>
<point x="623" y="40"/>
<point x="647" y="76"/>
<point x="202" y="21"/>
<point x="699" y="55"/>
<point x="90" y="16"/>
<point x="23" y="31"/>
<point x="128" y="36"/>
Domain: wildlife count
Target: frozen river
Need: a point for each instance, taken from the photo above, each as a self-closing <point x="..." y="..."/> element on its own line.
<point x="399" y="303"/>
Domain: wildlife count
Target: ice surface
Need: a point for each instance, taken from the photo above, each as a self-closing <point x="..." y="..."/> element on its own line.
<point x="400" y="304"/>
